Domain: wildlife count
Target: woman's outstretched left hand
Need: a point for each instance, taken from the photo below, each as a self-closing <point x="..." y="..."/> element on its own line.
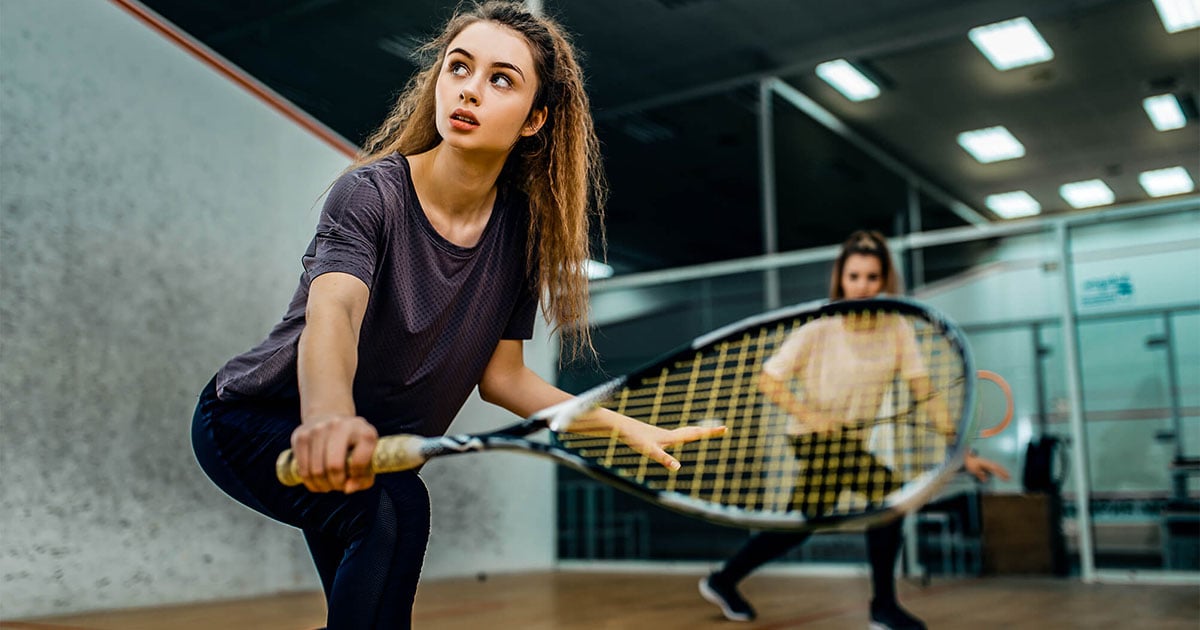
<point x="983" y="469"/>
<point x="652" y="441"/>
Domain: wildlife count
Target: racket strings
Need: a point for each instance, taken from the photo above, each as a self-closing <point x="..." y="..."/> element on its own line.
<point x="892" y="385"/>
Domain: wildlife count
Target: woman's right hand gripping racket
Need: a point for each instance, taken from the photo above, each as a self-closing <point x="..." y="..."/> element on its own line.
<point x="767" y="471"/>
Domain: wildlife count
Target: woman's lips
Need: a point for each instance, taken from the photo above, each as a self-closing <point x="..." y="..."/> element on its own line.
<point x="463" y="120"/>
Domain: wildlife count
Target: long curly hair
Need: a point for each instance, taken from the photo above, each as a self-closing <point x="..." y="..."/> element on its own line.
<point x="558" y="168"/>
<point x="867" y="243"/>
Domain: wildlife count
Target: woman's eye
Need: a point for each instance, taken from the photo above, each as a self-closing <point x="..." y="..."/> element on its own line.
<point x="458" y="68"/>
<point x="501" y="81"/>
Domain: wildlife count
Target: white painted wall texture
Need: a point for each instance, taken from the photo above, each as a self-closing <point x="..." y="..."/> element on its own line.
<point x="154" y="215"/>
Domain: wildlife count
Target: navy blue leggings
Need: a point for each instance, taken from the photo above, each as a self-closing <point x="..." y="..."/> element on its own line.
<point x="368" y="546"/>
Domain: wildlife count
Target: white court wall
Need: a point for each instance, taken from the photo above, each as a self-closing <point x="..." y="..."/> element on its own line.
<point x="154" y="214"/>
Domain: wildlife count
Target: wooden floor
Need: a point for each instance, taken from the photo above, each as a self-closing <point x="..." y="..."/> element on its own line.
<point x="583" y="600"/>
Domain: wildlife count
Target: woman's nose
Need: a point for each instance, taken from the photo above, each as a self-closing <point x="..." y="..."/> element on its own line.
<point x="470" y="93"/>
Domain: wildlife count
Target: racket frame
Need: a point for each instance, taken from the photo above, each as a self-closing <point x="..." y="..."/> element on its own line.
<point x="557" y="418"/>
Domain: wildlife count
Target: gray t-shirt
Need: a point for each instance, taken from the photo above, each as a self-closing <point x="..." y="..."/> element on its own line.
<point x="436" y="310"/>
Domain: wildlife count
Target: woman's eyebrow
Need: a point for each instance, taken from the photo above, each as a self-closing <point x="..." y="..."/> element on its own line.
<point x="497" y="64"/>
<point x="513" y="67"/>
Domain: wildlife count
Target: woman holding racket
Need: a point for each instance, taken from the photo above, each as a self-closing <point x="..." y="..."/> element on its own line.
<point x="467" y="208"/>
<point x="863" y="269"/>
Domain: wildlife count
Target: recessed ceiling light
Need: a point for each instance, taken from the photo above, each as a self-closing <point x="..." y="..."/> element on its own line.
<point x="1087" y="194"/>
<point x="1178" y="15"/>
<point x="848" y="80"/>
<point x="1166" y="181"/>
<point x="1013" y="205"/>
<point x="991" y="144"/>
<point x="1011" y="44"/>
<point x="1164" y="112"/>
<point x="597" y="270"/>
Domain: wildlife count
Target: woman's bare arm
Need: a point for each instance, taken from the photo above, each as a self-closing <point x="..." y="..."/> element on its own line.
<point x="328" y="357"/>
<point x="508" y="383"/>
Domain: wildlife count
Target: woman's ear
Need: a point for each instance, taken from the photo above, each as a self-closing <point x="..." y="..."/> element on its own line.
<point x="536" y="119"/>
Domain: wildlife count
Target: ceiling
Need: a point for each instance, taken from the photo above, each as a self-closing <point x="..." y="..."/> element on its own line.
<point x="675" y="90"/>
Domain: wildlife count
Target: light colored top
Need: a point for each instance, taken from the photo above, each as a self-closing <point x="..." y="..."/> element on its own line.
<point x="845" y="366"/>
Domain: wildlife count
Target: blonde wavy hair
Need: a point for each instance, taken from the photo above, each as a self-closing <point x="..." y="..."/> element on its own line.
<point x="558" y="168"/>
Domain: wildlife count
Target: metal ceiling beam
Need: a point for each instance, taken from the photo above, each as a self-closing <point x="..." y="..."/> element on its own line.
<point x="823" y="116"/>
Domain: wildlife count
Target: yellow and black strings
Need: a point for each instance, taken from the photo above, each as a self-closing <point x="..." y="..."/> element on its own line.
<point x="709" y="387"/>
<point x="916" y="441"/>
<point x="758" y="464"/>
<point x="716" y="385"/>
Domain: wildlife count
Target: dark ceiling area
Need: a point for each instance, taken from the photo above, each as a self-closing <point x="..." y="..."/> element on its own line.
<point x="675" y="90"/>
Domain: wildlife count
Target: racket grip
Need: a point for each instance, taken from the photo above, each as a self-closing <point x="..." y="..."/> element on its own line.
<point x="392" y="454"/>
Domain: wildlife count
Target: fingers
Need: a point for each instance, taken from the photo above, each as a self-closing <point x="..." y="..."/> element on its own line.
<point x="308" y="445"/>
<point x="984" y="469"/>
<point x="356" y="484"/>
<point x="335" y="454"/>
<point x="980" y="472"/>
<point x="337" y="443"/>
<point x="664" y="458"/>
<point x="359" y="472"/>
<point x="1000" y="471"/>
<point x="683" y="435"/>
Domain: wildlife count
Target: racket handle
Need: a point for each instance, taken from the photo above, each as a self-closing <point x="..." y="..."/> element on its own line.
<point x="392" y="454"/>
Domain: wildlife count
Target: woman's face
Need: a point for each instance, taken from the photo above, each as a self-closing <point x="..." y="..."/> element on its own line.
<point x="862" y="277"/>
<point x="485" y="89"/>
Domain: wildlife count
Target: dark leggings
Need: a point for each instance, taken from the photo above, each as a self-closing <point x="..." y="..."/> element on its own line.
<point x="368" y="547"/>
<point x="815" y="493"/>
<point x="883" y="546"/>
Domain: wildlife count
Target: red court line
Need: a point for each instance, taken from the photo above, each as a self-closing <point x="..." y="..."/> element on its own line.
<point x="235" y="74"/>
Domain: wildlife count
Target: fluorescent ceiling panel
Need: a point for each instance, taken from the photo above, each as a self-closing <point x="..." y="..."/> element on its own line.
<point x="991" y="144"/>
<point x="1165" y="112"/>
<point x="848" y="80"/>
<point x="1087" y="194"/>
<point x="1166" y="181"/>
<point x="1178" y="15"/>
<point x="1013" y="205"/>
<point x="1011" y="44"/>
<point x="597" y="270"/>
